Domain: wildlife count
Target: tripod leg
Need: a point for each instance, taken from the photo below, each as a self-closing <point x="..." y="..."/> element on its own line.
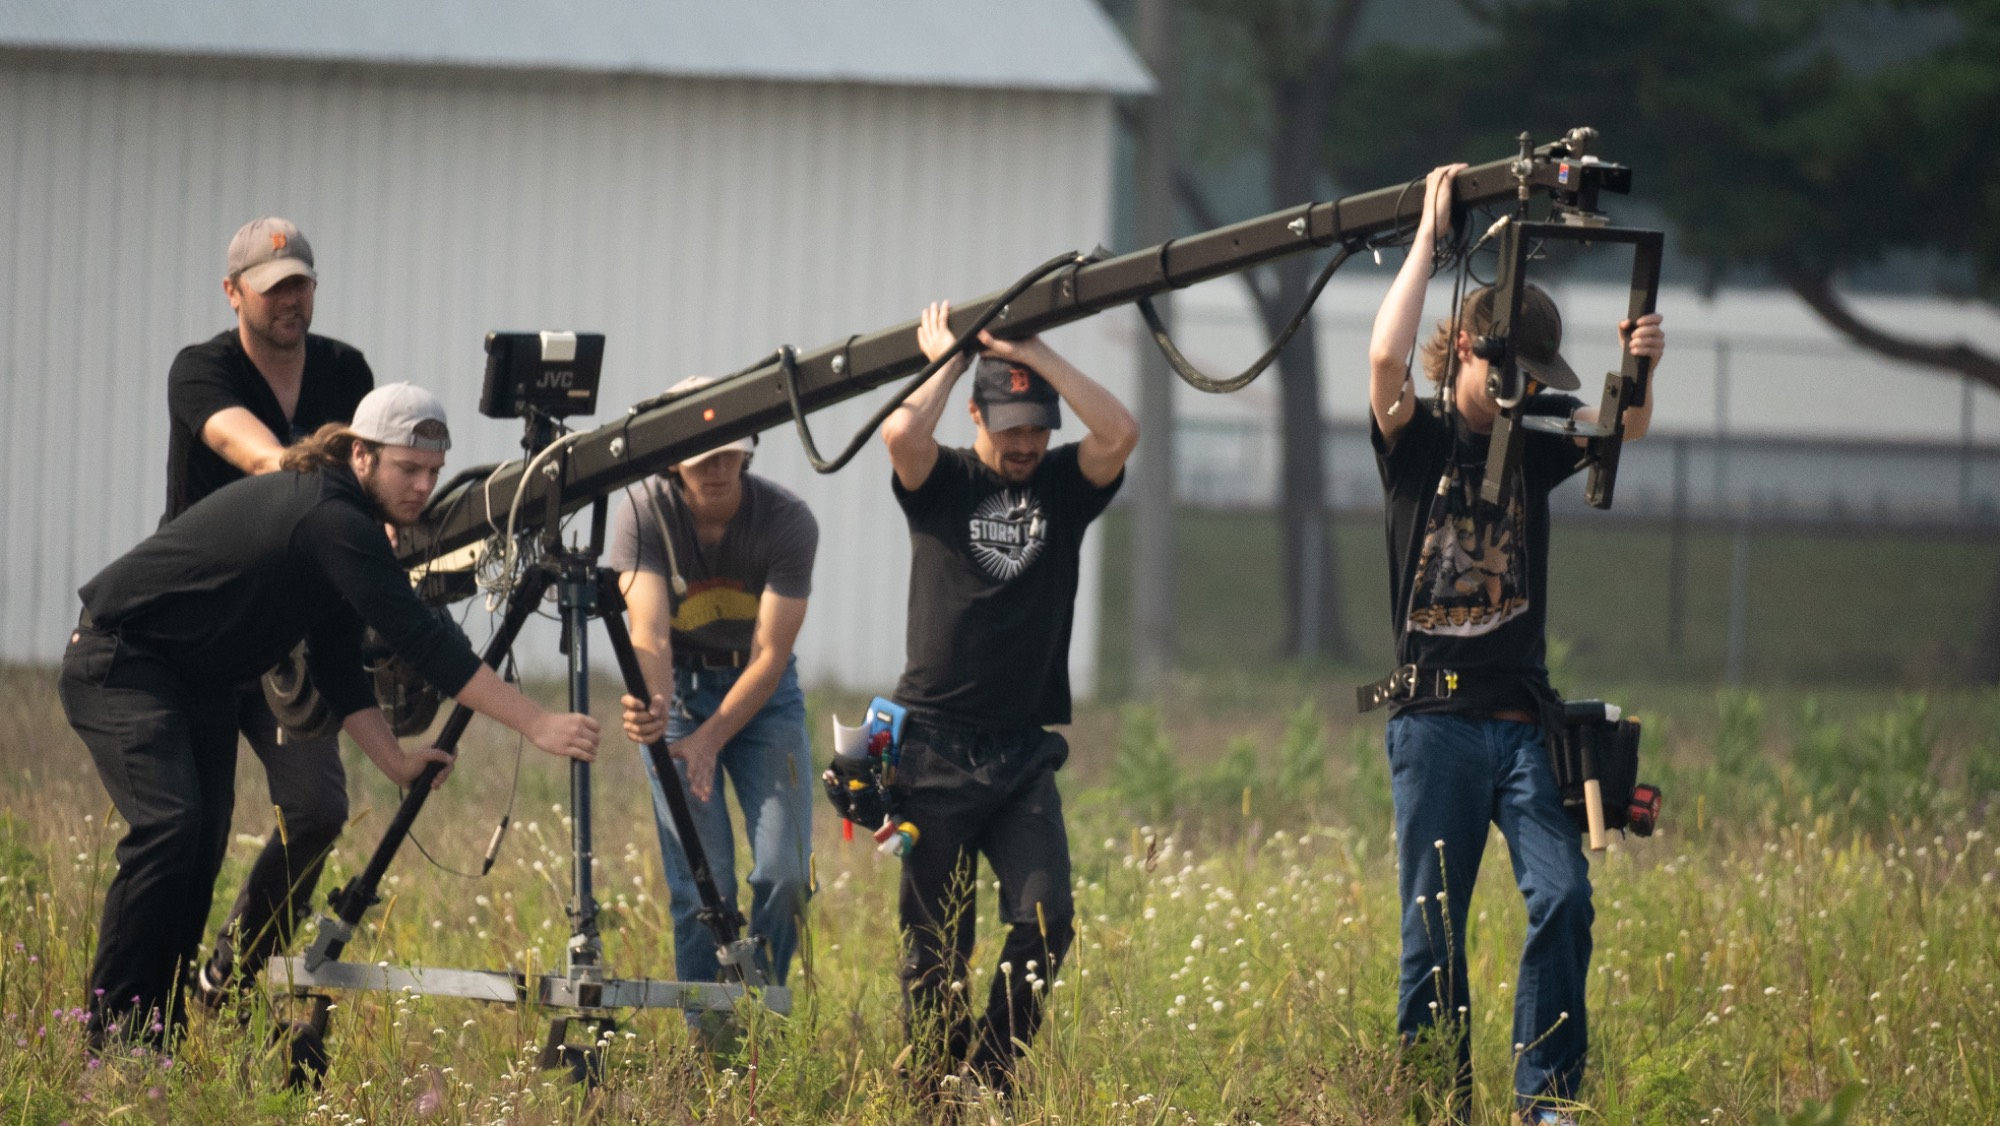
<point x="306" y="1057"/>
<point x="584" y="1062"/>
<point x="737" y="953"/>
<point x="347" y="904"/>
<point x="577" y="597"/>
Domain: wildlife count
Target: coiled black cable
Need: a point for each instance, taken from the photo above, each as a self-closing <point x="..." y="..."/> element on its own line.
<point x="788" y="362"/>
<point x="1195" y="378"/>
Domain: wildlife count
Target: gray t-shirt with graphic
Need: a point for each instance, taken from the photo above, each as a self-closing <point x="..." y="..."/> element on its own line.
<point x="769" y="545"/>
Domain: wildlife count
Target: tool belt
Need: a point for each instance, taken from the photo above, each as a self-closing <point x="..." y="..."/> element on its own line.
<point x="1588" y="740"/>
<point x="1408" y="682"/>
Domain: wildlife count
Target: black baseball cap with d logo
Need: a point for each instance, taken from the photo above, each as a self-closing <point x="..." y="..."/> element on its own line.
<point x="1010" y="395"/>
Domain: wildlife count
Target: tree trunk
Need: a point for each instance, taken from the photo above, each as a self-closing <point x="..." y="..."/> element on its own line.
<point x="1152" y="636"/>
<point x="1314" y="625"/>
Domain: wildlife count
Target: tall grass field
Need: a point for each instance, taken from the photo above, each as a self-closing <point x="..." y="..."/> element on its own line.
<point x="1812" y="937"/>
<point x="1814" y="932"/>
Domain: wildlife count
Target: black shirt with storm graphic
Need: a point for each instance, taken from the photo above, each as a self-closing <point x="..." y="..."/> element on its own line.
<point x="993" y="578"/>
<point x="1468" y="581"/>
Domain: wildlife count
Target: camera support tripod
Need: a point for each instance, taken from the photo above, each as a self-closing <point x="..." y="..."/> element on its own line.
<point x="585" y="992"/>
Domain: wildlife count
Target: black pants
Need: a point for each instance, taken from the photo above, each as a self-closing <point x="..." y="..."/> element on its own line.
<point x="971" y="792"/>
<point x="165" y="747"/>
<point x="309" y="787"/>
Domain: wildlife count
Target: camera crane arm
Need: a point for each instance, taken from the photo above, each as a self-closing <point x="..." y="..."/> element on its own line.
<point x="656" y="434"/>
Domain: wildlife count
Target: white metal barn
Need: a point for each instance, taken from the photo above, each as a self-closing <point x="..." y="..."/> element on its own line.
<point x="699" y="181"/>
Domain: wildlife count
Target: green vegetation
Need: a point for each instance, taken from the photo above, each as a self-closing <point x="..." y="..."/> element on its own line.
<point x="1811" y="936"/>
<point x="1824" y="611"/>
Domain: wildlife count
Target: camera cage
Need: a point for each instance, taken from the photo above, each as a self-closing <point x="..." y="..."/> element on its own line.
<point x="1626" y="387"/>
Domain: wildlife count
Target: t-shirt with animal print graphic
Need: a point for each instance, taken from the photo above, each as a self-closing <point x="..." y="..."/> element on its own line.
<point x="993" y="578"/>
<point x="1469" y="580"/>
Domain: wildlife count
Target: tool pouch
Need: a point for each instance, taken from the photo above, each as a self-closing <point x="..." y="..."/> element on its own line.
<point x="852" y="786"/>
<point x="1590" y="738"/>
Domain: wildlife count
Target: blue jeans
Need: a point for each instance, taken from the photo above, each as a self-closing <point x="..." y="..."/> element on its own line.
<point x="769" y="763"/>
<point x="1452" y="775"/>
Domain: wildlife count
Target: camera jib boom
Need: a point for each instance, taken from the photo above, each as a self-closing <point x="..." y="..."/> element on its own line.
<point x="547" y="376"/>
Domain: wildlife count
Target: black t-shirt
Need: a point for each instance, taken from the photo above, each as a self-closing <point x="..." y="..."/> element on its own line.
<point x="1468" y="580"/>
<point x="993" y="576"/>
<point x="217" y="374"/>
<point x="232" y="584"/>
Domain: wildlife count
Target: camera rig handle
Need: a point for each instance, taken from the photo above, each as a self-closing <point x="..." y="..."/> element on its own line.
<point x="656" y="434"/>
<point x="1629" y="386"/>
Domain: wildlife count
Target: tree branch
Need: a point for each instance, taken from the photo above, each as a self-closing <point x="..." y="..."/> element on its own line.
<point x="1815" y="288"/>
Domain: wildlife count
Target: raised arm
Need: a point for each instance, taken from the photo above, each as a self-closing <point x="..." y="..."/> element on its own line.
<point x="1114" y="433"/>
<point x="1391" y="396"/>
<point x="911" y="432"/>
<point x="1647" y="338"/>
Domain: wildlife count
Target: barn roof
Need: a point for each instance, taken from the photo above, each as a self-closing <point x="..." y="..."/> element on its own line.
<point x="1067" y="45"/>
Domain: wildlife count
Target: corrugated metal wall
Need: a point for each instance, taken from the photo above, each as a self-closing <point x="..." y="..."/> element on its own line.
<point x="696" y="223"/>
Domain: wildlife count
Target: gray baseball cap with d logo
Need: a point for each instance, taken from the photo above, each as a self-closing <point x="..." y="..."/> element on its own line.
<point x="267" y="251"/>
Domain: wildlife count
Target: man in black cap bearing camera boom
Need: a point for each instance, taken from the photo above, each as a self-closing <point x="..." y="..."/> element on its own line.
<point x="235" y="402"/>
<point x="995" y="533"/>
<point x="1468" y="586"/>
<point x="172" y="628"/>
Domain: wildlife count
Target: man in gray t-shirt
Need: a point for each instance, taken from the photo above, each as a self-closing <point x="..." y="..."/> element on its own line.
<point x="716" y="565"/>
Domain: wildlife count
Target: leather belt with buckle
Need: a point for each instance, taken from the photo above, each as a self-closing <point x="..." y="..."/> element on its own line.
<point x="732" y="659"/>
<point x="1406" y="683"/>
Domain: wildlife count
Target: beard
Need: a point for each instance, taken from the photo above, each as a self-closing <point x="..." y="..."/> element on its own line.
<point x="1020" y="468"/>
<point x="377" y="508"/>
<point x="282" y="330"/>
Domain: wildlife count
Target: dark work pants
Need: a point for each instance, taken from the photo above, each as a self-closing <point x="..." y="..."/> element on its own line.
<point x="309" y="787"/>
<point x="166" y="750"/>
<point x="970" y="793"/>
